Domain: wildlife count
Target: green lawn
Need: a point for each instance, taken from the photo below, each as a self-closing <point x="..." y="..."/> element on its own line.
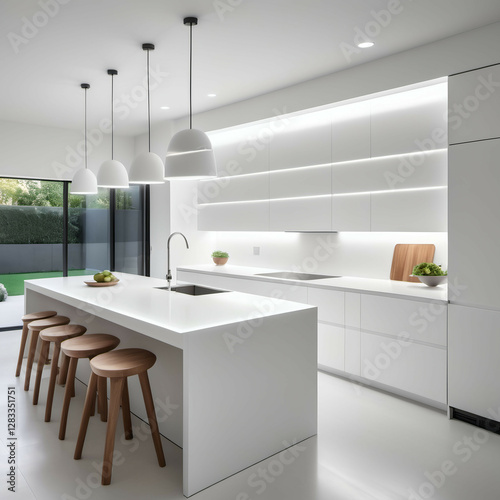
<point x="15" y="282"/>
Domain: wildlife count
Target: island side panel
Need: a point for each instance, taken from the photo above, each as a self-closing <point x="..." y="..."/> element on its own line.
<point x="165" y="376"/>
<point x="250" y="391"/>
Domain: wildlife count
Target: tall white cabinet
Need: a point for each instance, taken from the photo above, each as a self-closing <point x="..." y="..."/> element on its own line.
<point x="474" y="242"/>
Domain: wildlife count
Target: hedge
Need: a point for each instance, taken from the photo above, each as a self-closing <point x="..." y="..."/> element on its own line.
<point x="36" y="225"/>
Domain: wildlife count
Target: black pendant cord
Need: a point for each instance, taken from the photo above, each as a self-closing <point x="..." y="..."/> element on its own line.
<point x="149" y="109"/>
<point x="86" y="165"/>
<point x="191" y="75"/>
<point x="112" y="118"/>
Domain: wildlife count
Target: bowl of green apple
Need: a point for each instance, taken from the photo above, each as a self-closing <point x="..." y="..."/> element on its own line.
<point x="103" y="278"/>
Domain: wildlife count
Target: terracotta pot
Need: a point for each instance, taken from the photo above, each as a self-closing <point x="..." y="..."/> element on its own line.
<point x="220" y="261"/>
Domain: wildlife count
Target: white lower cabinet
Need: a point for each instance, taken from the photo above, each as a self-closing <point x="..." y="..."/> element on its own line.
<point x="397" y="343"/>
<point x="474" y="358"/>
<point x="331" y="346"/>
<point x="404" y="364"/>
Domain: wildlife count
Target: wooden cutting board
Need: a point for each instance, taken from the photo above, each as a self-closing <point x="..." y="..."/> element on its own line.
<point x="406" y="257"/>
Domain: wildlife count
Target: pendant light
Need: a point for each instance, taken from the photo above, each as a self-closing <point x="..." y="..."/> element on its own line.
<point x="84" y="181"/>
<point x="190" y="154"/>
<point x="147" y="168"/>
<point x="112" y="173"/>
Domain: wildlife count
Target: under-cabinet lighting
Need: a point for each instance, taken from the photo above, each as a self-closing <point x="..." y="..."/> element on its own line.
<point x="318" y="196"/>
<point x="333" y="164"/>
<point x="365" y="45"/>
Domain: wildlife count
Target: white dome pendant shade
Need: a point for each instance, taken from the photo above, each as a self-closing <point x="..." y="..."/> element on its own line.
<point x="112" y="173"/>
<point x="147" y="168"/>
<point x="190" y="154"/>
<point x="84" y="181"/>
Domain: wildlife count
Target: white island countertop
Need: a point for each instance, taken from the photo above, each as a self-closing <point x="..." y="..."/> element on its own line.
<point x="398" y="289"/>
<point x="137" y="303"/>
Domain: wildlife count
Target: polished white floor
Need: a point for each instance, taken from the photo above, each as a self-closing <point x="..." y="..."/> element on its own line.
<point x="11" y="311"/>
<point x="369" y="446"/>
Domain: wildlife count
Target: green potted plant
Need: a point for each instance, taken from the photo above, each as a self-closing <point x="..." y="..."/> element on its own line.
<point x="429" y="273"/>
<point x="220" y="258"/>
<point x="3" y="293"/>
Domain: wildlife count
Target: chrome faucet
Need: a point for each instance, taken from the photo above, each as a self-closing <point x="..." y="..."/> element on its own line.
<point x="169" y="273"/>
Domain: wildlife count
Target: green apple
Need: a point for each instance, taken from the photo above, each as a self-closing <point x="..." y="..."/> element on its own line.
<point x="99" y="277"/>
<point x="107" y="279"/>
<point x="106" y="273"/>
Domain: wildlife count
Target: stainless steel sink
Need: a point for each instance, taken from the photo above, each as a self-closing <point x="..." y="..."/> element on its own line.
<point x="289" y="275"/>
<point x="192" y="289"/>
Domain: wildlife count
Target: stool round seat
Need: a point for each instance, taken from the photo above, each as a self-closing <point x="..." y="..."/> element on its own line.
<point x="85" y="346"/>
<point x="122" y="363"/>
<point x="41" y="324"/>
<point x="38" y="315"/>
<point x="27" y="319"/>
<point x="35" y="327"/>
<point x="90" y="345"/>
<point x="62" y="332"/>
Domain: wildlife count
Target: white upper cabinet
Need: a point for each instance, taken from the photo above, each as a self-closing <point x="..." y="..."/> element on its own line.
<point x="242" y="150"/>
<point x="351" y="212"/>
<point x="421" y="210"/>
<point x="474" y="105"/>
<point x="301" y="214"/>
<point x="245" y="216"/>
<point x="303" y="140"/>
<point x="234" y="188"/>
<point x="409" y="121"/>
<point x="301" y="182"/>
<point x="351" y="132"/>
<point x="474" y="233"/>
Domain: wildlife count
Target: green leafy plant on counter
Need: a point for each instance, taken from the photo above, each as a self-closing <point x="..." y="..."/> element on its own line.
<point x="222" y="255"/>
<point x="3" y="293"/>
<point x="428" y="269"/>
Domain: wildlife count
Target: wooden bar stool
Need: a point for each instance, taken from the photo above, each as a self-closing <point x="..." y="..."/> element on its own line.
<point x="27" y="319"/>
<point x="117" y="366"/>
<point x="35" y="327"/>
<point x="56" y="334"/>
<point x="87" y="346"/>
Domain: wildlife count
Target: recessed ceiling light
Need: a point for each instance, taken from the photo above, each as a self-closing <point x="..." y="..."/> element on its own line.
<point x="212" y="95"/>
<point x="164" y="107"/>
<point x="365" y="45"/>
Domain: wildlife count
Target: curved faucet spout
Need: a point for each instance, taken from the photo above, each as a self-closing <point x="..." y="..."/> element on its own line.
<point x="169" y="273"/>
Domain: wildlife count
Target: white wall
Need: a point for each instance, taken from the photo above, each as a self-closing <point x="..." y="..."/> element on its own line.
<point x="53" y="153"/>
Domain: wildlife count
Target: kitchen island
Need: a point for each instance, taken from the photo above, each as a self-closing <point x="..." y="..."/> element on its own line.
<point x="235" y="379"/>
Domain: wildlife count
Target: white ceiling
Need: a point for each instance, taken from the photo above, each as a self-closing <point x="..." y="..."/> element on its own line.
<point x="242" y="48"/>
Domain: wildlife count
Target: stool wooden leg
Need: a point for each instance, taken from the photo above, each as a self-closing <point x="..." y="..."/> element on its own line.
<point x="127" y="422"/>
<point x="114" y="410"/>
<point x="63" y="373"/>
<point x="44" y="351"/>
<point x="31" y="357"/>
<point x="150" y="410"/>
<point x="24" y="337"/>
<point x="92" y="408"/>
<point x="102" y="398"/>
<point x="52" y="381"/>
<point x="86" y="415"/>
<point x="67" y="397"/>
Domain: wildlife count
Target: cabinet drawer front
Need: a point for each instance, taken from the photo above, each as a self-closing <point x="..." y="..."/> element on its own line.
<point x="423" y="321"/>
<point x="407" y="366"/>
<point x="330" y="304"/>
<point x="331" y="346"/>
<point x="352" y="349"/>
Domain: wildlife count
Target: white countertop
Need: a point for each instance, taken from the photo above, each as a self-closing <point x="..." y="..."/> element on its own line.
<point x="136" y="304"/>
<point x="400" y="289"/>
